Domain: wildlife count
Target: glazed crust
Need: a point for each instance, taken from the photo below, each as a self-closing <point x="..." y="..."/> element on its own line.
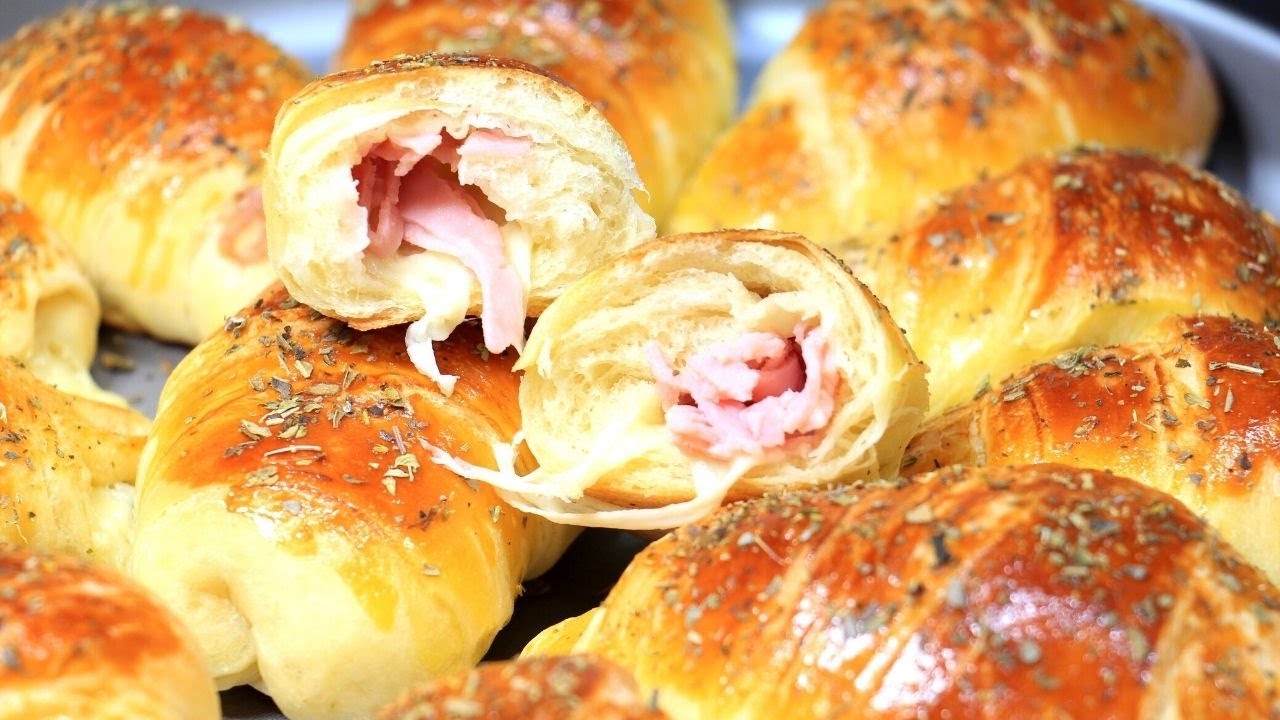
<point x="1039" y="591"/>
<point x="288" y="513"/>
<point x="1191" y="410"/>
<point x="77" y="640"/>
<point x="662" y="73"/>
<point x="1084" y="248"/>
<point x="135" y="131"/>
<point x="874" y="108"/>
<point x="556" y="688"/>
<point x="66" y="469"/>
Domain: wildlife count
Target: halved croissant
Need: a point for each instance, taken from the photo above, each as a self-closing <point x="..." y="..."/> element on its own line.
<point x="874" y="107"/>
<point x="434" y="186"/>
<point x="662" y="73"/>
<point x="1038" y="591"/>
<point x="66" y="469"/>
<point x="558" y="688"/>
<point x="80" y="641"/>
<point x="700" y="366"/>
<point x="1191" y="409"/>
<point x="1085" y="248"/>
<point x="48" y="311"/>
<point x="135" y="131"/>
<point x="288" y="514"/>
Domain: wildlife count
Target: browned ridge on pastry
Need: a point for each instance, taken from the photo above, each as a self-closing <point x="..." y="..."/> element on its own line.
<point x="1039" y="591"/>
<point x="1090" y="247"/>
<point x="662" y="73"/>
<point x="289" y="514"/>
<point x="1193" y="410"/>
<point x="77" y="640"/>
<point x="876" y="106"/>
<point x="579" y="687"/>
<point x="135" y="130"/>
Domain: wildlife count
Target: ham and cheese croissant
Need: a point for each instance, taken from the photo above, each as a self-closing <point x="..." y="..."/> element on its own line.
<point x="703" y="366"/>
<point x="1191" y="409"/>
<point x="874" y="107"/>
<point x="662" y="73"/>
<point x="434" y="186"/>
<point x="135" y="131"/>
<point x="66" y="469"/>
<point x="1083" y="248"/>
<point x="1037" y="591"/>
<point x="288" y="514"/>
<point x="554" y="688"/>
<point x="80" y="641"/>
<point x="49" y="313"/>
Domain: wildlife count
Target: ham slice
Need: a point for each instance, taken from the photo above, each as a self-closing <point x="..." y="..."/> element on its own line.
<point x="758" y="394"/>
<point x="409" y="186"/>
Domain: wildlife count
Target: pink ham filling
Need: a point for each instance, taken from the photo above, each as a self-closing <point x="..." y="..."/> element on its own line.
<point x="409" y="186"/>
<point x="752" y="396"/>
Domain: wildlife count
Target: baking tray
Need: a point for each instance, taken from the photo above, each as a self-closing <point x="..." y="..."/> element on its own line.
<point x="1246" y="153"/>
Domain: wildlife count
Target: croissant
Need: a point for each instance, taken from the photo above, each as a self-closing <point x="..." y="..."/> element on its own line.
<point x="66" y="469"/>
<point x="662" y="73"/>
<point x="1084" y="248"/>
<point x="135" y="132"/>
<point x="430" y="187"/>
<point x="80" y="641"/>
<point x="875" y="107"/>
<point x="49" y="313"/>
<point x="1191" y="409"/>
<point x="554" y="688"/>
<point x="287" y="512"/>
<point x="706" y="365"/>
<point x="1038" y="591"/>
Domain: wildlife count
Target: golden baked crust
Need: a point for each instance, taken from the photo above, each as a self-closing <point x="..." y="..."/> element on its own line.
<point x="1191" y="410"/>
<point x="66" y="469"/>
<point x="1039" y="591"/>
<point x="1084" y="248"/>
<point x="875" y="107"/>
<point x="555" y="688"/>
<point x="288" y="514"/>
<point x="135" y="131"/>
<point x="80" y="641"/>
<point x="663" y="73"/>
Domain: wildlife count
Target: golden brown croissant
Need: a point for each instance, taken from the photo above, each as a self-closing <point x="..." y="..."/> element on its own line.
<point x="874" y="107"/>
<point x="663" y="73"/>
<point x="66" y="469"/>
<point x="1039" y="591"/>
<point x="435" y="186"/>
<point x="287" y="511"/>
<point x="579" y="687"/>
<point x="48" y="311"/>
<point x="1084" y="248"/>
<point x="701" y="366"/>
<point x="135" y="131"/>
<point x="80" y="641"/>
<point x="1192" y="410"/>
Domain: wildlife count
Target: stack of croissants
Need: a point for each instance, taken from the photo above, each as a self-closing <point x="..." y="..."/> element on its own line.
<point x="939" y="380"/>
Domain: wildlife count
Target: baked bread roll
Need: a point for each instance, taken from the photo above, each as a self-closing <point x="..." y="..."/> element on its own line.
<point x="429" y="187"/>
<point x="1037" y="592"/>
<point x="1191" y="409"/>
<point x="288" y="514"/>
<point x="80" y="641"/>
<point x="66" y="469"/>
<point x="48" y="311"/>
<point x="873" y="108"/>
<point x="1087" y="248"/>
<point x="135" y="131"/>
<point x="662" y="73"/>
<point x="703" y="366"/>
<point x="555" y="688"/>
